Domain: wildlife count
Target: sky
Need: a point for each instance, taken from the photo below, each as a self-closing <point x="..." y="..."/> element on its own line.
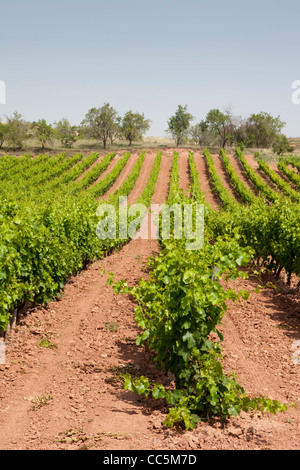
<point x="60" y="58"/>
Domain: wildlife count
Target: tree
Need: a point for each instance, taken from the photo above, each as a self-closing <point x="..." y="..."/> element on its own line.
<point x="240" y="134"/>
<point x="179" y="124"/>
<point x="221" y="125"/>
<point x="3" y="133"/>
<point x="134" y="126"/>
<point x="42" y="131"/>
<point x="116" y="131"/>
<point x="200" y="134"/>
<point x="16" y="130"/>
<point x="102" y="124"/>
<point x="282" y="145"/>
<point x="263" y="130"/>
<point x="65" y="132"/>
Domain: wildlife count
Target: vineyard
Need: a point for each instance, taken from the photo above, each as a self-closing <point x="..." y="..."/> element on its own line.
<point x="122" y="343"/>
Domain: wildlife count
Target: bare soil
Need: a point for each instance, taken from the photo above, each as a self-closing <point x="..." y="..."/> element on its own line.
<point x="110" y="167"/>
<point x="224" y="177"/>
<point x="123" y="175"/>
<point x="96" y="162"/>
<point x="184" y="174"/>
<point x="241" y="173"/>
<point x="61" y="386"/>
<point x="211" y="196"/>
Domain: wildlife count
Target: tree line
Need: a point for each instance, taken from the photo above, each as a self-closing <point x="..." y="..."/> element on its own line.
<point x="223" y="128"/>
<point x="101" y="124"/>
<point x="219" y="128"/>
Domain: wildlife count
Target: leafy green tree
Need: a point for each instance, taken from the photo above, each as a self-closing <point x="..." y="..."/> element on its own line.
<point x="102" y="124"/>
<point x="179" y="124"/>
<point x="3" y="133"/>
<point x="282" y="145"/>
<point x="263" y="130"/>
<point x="65" y="132"/>
<point x="116" y="130"/>
<point x="134" y="126"/>
<point x="17" y="130"/>
<point x="200" y="134"/>
<point x="221" y="125"/>
<point x="42" y="131"/>
<point x="241" y="135"/>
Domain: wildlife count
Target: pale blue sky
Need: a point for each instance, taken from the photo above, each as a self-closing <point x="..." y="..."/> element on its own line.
<point x="60" y="58"/>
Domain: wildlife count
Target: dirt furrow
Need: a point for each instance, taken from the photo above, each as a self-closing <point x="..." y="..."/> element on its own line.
<point x="269" y="182"/>
<point x="259" y="335"/>
<point x="225" y="177"/>
<point x="184" y="172"/>
<point x="143" y="177"/>
<point x="122" y="177"/>
<point x="241" y="173"/>
<point x="251" y="161"/>
<point x="204" y="177"/>
<point x="110" y="167"/>
<point x="96" y="162"/>
<point x="286" y="179"/>
<point x="162" y="184"/>
<point x="149" y="226"/>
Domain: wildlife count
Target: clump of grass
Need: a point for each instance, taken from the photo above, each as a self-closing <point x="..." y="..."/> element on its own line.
<point x="39" y="402"/>
<point x="112" y="326"/>
<point x="78" y="435"/>
<point x="46" y="343"/>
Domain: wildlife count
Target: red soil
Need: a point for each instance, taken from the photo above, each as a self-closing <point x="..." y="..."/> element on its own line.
<point x="72" y="397"/>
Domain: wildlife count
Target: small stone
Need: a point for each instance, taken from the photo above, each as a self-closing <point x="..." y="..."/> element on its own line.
<point x="236" y="432"/>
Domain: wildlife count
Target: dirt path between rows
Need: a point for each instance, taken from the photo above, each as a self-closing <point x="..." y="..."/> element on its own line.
<point x="241" y="173"/>
<point x="123" y="175"/>
<point x="143" y="177"/>
<point x="210" y="195"/>
<point x="109" y="168"/>
<point x="69" y="393"/>
<point x="184" y="172"/>
<point x="96" y="162"/>
<point x="225" y="177"/>
<point x="286" y="179"/>
<point x="260" y="338"/>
